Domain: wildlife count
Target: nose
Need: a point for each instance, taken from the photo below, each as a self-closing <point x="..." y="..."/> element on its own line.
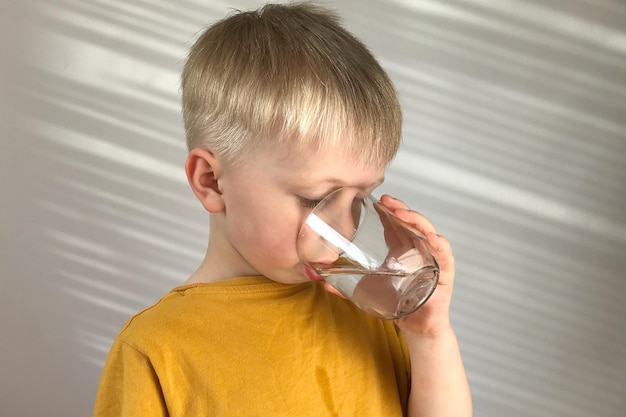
<point x="342" y="212"/>
<point x="315" y="247"/>
<point x="323" y="263"/>
<point x="328" y="230"/>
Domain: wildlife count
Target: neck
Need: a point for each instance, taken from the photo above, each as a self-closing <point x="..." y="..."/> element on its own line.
<point x="221" y="260"/>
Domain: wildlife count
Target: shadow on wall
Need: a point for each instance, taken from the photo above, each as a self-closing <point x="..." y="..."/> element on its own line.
<point x="515" y="146"/>
<point x="101" y="221"/>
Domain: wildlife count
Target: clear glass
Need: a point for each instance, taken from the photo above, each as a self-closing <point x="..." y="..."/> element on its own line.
<point x="376" y="260"/>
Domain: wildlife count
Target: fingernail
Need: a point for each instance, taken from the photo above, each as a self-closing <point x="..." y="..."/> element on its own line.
<point x="432" y="239"/>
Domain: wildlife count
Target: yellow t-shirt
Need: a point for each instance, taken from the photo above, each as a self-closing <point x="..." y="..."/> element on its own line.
<point x="251" y="347"/>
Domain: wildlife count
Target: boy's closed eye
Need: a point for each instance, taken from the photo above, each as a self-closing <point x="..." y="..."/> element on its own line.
<point x="309" y="203"/>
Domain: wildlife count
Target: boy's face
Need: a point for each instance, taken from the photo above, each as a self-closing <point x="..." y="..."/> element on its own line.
<point x="267" y="198"/>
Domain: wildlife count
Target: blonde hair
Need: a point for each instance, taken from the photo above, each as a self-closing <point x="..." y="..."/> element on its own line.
<point x="288" y="75"/>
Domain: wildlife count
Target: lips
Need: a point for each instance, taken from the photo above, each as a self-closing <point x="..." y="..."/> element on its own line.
<point x="310" y="272"/>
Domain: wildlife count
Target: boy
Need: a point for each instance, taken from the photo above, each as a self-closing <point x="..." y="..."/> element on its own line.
<point x="281" y="106"/>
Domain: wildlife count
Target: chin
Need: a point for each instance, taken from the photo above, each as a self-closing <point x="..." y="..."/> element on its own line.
<point x="297" y="275"/>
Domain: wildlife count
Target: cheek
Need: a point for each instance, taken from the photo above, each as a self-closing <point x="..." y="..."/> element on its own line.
<point x="280" y="232"/>
<point x="267" y="228"/>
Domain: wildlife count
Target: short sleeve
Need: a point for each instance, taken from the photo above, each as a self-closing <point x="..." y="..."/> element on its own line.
<point x="129" y="386"/>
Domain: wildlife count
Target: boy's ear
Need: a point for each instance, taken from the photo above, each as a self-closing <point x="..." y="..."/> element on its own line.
<point x="204" y="170"/>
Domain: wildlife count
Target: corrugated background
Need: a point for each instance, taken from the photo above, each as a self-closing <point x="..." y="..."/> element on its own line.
<point x="515" y="146"/>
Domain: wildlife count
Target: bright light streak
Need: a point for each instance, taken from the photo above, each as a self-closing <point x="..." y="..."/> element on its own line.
<point x="107" y="151"/>
<point x="508" y="195"/>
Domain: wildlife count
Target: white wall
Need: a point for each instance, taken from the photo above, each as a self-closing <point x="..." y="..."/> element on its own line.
<point x="515" y="146"/>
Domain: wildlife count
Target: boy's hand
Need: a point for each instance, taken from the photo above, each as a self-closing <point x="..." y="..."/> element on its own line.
<point x="433" y="317"/>
<point x="440" y="388"/>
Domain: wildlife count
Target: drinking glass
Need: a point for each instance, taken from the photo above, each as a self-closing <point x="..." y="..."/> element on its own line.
<point x="376" y="260"/>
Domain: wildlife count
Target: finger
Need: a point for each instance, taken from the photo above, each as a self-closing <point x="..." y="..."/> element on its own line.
<point x="442" y="251"/>
<point x="401" y="210"/>
<point x="333" y="290"/>
<point x="392" y="202"/>
<point x="418" y="220"/>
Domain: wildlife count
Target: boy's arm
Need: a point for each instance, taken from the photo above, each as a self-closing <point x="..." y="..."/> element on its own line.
<point x="439" y="385"/>
<point x="129" y="386"/>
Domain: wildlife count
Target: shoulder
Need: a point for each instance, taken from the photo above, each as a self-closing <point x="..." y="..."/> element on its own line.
<point x="158" y="322"/>
<point x="205" y="311"/>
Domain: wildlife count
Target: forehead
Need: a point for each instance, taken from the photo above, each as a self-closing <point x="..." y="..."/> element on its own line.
<point x="350" y="152"/>
<point x="329" y="166"/>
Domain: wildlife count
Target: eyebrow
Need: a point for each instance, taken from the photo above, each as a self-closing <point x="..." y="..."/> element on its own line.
<point x="339" y="182"/>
